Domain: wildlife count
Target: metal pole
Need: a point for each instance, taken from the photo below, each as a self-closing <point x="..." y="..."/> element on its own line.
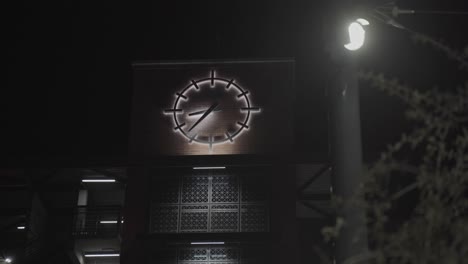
<point x="345" y="131"/>
<point x="345" y="138"/>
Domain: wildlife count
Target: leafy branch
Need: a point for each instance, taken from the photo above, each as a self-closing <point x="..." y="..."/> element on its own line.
<point x="433" y="156"/>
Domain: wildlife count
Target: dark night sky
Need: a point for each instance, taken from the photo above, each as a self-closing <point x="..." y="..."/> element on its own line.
<point x="68" y="86"/>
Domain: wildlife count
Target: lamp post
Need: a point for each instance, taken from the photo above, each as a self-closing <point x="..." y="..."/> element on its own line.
<point x="345" y="136"/>
<point x="344" y="118"/>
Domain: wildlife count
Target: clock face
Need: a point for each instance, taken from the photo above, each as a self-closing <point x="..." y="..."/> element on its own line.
<point x="212" y="110"/>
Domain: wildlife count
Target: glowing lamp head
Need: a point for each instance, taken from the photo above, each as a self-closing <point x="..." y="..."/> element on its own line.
<point x="357" y="34"/>
<point x="8" y="260"/>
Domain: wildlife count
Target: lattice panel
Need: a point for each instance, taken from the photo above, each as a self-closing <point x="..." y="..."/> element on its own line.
<point x="193" y="254"/>
<point x="209" y="202"/>
<point x="253" y="190"/>
<point x="225" y="189"/>
<point x="194" y="219"/>
<point x="254" y="218"/>
<point x="164" y="219"/>
<point x="166" y="191"/>
<point x="209" y="255"/>
<point x="195" y="189"/>
<point x="225" y="218"/>
<point x="224" y="254"/>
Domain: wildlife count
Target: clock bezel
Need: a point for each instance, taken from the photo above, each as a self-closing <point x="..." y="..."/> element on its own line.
<point x="213" y="80"/>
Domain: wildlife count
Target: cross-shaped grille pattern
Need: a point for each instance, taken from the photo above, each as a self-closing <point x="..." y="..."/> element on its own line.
<point x="209" y="201"/>
<point x="209" y="255"/>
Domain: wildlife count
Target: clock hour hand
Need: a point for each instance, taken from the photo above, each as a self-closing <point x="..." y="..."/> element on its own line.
<point x="207" y="112"/>
<point x="201" y="112"/>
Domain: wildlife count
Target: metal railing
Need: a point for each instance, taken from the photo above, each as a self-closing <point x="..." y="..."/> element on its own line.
<point x="99" y="222"/>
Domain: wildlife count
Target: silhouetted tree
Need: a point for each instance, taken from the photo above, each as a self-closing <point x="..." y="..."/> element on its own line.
<point x="432" y="159"/>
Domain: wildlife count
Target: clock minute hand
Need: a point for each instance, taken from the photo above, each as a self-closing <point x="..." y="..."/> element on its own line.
<point x="212" y="107"/>
<point x="201" y="112"/>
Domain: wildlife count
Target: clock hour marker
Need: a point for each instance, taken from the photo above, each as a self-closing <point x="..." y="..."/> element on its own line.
<point x="192" y="138"/>
<point x="229" y="83"/>
<point x="181" y="95"/>
<point x="210" y="141"/>
<point x="243" y="125"/>
<point x="243" y="94"/>
<point x="212" y="77"/>
<point x="172" y="110"/>
<point x="179" y="126"/>
<point x="229" y="136"/>
<point x="253" y="109"/>
<point x="195" y="84"/>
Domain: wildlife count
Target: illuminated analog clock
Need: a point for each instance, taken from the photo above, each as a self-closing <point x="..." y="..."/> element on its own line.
<point x="212" y="110"/>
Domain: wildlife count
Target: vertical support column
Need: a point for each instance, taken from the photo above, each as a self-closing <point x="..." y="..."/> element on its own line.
<point x="136" y="217"/>
<point x="283" y="215"/>
<point x="346" y="150"/>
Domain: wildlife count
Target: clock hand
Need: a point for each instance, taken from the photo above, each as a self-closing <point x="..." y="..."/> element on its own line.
<point x="202" y="111"/>
<point x="207" y="112"/>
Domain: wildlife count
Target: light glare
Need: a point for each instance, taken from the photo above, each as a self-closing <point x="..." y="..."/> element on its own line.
<point x="8" y="260"/>
<point x="363" y="21"/>
<point x="209" y="168"/>
<point x="109" y="222"/>
<point x="21" y="227"/>
<point x="98" y="180"/>
<point x="357" y="36"/>
<point x="101" y="255"/>
<point x="207" y="243"/>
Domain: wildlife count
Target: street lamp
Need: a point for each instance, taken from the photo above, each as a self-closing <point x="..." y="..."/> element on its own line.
<point x="344" y="116"/>
<point x="344" y="39"/>
<point x="357" y="34"/>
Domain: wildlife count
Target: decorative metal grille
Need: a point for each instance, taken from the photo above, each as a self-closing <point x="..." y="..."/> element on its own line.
<point x="193" y="254"/>
<point x="194" y="218"/>
<point x="209" y="255"/>
<point x="195" y="189"/>
<point x="208" y="202"/>
<point x="253" y="189"/>
<point x="166" y="191"/>
<point x="224" y="254"/>
<point x="254" y="218"/>
<point x="165" y="218"/>
<point x="224" y="218"/>
<point x="225" y="189"/>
